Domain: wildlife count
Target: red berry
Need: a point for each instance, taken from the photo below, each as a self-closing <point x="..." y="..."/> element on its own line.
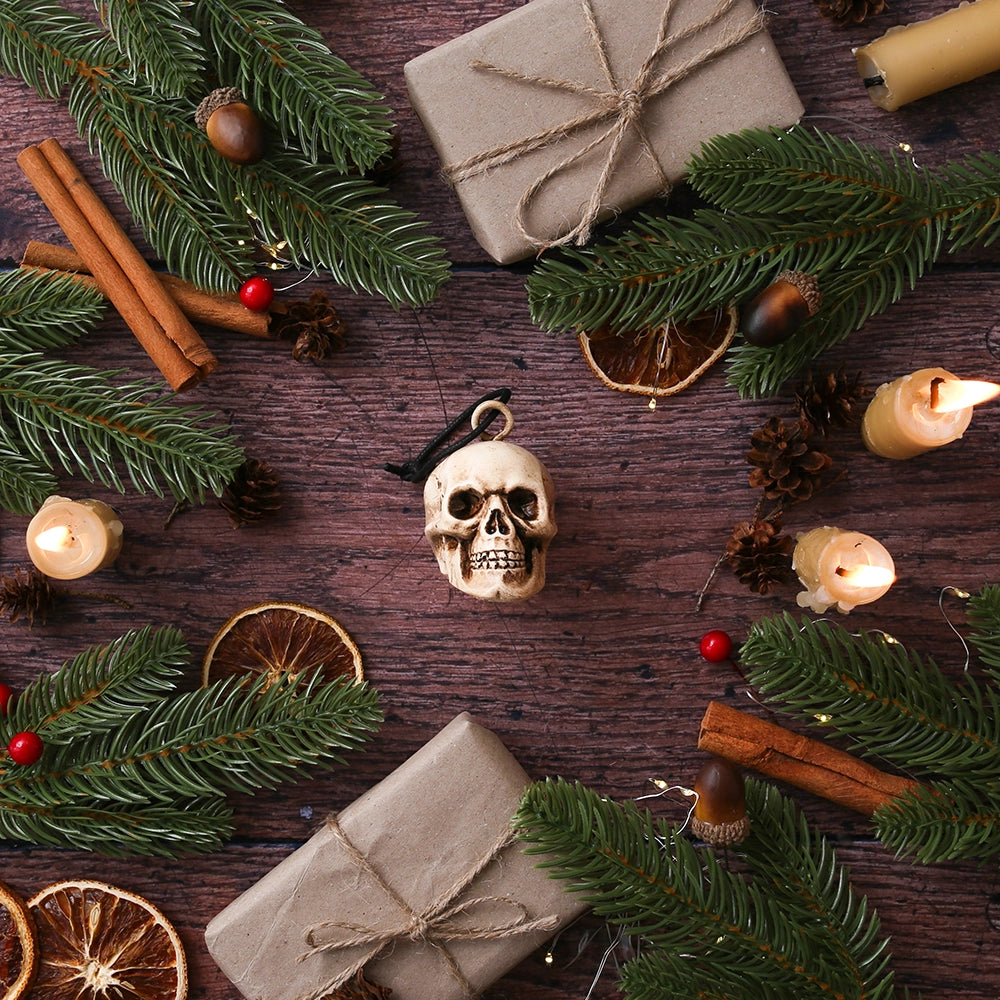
<point x="257" y="294"/>
<point x="5" y="696"/>
<point x="716" y="646"/>
<point x="25" y="748"/>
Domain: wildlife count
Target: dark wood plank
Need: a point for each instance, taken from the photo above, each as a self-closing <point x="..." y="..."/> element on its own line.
<point x="597" y="679"/>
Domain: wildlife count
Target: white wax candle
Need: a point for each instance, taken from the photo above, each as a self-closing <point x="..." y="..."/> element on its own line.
<point x="68" y="539"/>
<point x="904" y="418"/>
<point x="912" y="61"/>
<point x="840" y="568"/>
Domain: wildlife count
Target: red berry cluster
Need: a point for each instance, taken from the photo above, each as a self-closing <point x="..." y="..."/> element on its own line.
<point x="25" y="747"/>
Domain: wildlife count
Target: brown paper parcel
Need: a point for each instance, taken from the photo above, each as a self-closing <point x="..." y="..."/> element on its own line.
<point x="418" y="834"/>
<point x="564" y="112"/>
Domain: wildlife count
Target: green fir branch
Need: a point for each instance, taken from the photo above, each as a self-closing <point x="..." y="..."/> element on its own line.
<point x="868" y="225"/>
<point x="74" y="417"/>
<point x="791" y="927"/>
<point x="41" y="310"/>
<point x="186" y="827"/>
<point x="984" y="615"/>
<point x="157" y="41"/>
<point x="284" y="68"/>
<point x="151" y="766"/>
<point x="900" y="708"/>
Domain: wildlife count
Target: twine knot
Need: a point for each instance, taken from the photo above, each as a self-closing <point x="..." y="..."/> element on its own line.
<point x="623" y="105"/>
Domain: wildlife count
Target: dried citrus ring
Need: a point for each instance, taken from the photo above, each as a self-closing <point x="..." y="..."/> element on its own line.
<point x="96" y="941"/>
<point x="281" y="638"/>
<point x="662" y="360"/>
<point x="18" y="945"/>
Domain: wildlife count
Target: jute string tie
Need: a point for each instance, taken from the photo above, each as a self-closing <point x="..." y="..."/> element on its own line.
<point x="623" y="106"/>
<point x="434" y="926"/>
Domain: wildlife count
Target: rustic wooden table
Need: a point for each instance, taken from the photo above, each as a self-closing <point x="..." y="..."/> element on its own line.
<point x="598" y="678"/>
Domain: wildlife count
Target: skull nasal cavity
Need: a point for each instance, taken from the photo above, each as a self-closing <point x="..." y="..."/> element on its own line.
<point x="496" y="523"/>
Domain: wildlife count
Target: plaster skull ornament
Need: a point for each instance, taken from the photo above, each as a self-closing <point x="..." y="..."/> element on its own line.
<point x="490" y="516"/>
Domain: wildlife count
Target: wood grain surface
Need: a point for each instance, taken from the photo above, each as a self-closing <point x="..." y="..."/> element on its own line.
<point x="598" y="678"/>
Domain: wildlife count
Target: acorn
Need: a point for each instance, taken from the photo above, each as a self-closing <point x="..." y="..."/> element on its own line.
<point x="720" y="813"/>
<point x="777" y="312"/>
<point x="232" y="126"/>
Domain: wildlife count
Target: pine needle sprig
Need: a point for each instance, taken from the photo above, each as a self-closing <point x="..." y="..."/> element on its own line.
<point x="73" y="416"/>
<point x="40" y="311"/>
<point x="158" y="41"/>
<point x="790" y="928"/>
<point x="284" y="68"/>
<point x="152" y="766"/>
<point x="868" y="225"/>
<point x="984" y="615"/>
<point x="102" y="688"/>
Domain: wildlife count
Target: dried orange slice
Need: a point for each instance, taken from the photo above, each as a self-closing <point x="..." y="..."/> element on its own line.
<point x="98" y="942"/>
<point x="663" y="360"/>
<point x="18" y="945"/>
<point x="281" y="639"/>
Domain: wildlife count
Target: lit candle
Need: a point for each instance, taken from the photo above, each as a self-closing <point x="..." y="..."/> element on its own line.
<point x="840" y="568"/>
<point x="909" y="62"/>
<point x="921" y="411"/>
<point x="67" y="538"/>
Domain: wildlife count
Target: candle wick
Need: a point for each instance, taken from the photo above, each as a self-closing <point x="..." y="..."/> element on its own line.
<point x="935" y="393"/>
<point x="873" y="81"/>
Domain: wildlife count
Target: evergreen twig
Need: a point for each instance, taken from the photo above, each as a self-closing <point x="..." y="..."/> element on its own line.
<point x="791" y="928"/>
<point x="901" y="708"/>
<point x="133" y="767"/>
<point x="866" y="224"/>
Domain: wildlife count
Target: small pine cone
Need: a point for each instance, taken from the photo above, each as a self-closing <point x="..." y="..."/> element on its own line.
<point x="315" y="326"/>
<point x="847" y="12"/>
<point x="786" y="467"/>
<point x="831" y="400"/>
<point x="359" y="988"/>
<point x="253" y="493"/>
<point x="28" y="595"/>
<point x="759" y="554"/>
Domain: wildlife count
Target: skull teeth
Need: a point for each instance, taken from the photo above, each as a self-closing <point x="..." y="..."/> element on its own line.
<point x="497" y="559"/>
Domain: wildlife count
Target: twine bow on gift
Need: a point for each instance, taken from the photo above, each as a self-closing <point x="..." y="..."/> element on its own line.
<point x="622" y="105"/>
<point x="435" y="925"/>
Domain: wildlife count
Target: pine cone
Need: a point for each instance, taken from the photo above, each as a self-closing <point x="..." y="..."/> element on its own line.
<point x="847" y="12"/>
<point x="359" y="988"/>
<point x="28" y="595"/>
<point x="759" y="554"/>
<point x="315" y="326"/>
<point x="786" y="466"/>
<point x="831" y="399"/>
<point x="253" y="493"/>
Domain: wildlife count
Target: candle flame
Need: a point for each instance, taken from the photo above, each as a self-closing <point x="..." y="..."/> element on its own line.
<point x="950" y="394"/>
<point x="863" y="575"/>
<point x="55" y="538"/>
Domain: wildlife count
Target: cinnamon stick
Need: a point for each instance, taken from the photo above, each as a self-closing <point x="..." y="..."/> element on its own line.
<point x="178" y="371"/>
<point x="223" y="311"/>
<point x="806" y="763"/>
<point x="165" y="310"/>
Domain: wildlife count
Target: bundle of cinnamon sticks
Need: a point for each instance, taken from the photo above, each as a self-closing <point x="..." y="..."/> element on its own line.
<point x="157" y="308"/>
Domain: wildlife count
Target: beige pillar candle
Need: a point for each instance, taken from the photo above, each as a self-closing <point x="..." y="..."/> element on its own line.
<point x="840" y="568"/>
<point x="911" y="61"/>
<point x="68" y="539"/>
<point x="921" y="411"/>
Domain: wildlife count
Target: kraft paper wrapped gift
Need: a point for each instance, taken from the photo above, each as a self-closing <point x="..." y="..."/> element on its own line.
<point x="418" y="881"/>
<point x="563" y="112"/>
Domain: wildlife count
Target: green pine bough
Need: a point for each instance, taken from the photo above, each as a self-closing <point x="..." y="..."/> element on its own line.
<point x="900" y="708"/>
<point x="131" y="766"/>
<point x="58" y="416"/>
<point x="867" y="224"/>
<point x="133" y="84"/>
<point x="781" y="921"/>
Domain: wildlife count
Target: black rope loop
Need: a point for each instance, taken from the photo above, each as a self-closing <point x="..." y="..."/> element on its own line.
<point x="416" y="470"/>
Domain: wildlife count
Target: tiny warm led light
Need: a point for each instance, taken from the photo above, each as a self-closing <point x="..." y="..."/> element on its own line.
<point x="55" y="538"/>
<point x="822" y="718"/>
<point x="949" y="395"/>
<point x="862" y="575"/>
<point x="652" y="403"/>
<point x="660" y="783"/>
<point x="549" y="958"/>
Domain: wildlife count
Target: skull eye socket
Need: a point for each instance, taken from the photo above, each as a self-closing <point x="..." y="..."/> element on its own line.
<point x="523" y="504"/>
<point x="463" y="504"/>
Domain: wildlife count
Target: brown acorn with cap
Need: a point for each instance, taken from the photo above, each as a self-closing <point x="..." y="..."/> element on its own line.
<point x="232" y="126"/>
<point x="720" y="812"/>
<point x="772" y="316"/>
